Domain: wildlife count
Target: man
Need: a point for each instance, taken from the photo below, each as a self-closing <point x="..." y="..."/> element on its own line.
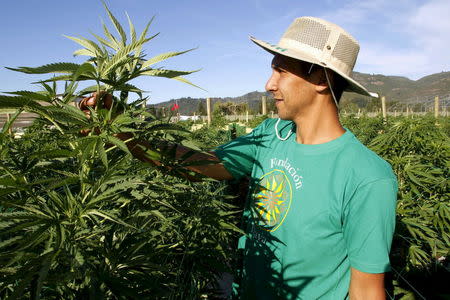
<point x="320" y="214"/>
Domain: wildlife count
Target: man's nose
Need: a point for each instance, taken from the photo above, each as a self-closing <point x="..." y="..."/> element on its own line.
<point x="271" y="84"/>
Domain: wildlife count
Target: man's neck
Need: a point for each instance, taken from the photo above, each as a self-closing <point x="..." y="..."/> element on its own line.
<point x="320" y="124"/>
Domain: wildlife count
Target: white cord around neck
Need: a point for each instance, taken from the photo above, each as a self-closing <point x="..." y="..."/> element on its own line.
<point x="278" y="135"/>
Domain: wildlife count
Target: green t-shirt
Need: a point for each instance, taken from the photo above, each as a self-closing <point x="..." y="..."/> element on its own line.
<point x="313" y="212"/>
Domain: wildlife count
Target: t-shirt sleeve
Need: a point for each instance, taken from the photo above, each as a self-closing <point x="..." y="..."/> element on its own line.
<point x="369" y="223"/>
<point x="238" y="155"/>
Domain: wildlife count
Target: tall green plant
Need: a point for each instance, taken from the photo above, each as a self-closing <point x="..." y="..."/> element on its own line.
<point x="79" y="217"/>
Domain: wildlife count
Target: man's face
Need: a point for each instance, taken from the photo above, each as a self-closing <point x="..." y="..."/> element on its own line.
<point x="292" y="92"/>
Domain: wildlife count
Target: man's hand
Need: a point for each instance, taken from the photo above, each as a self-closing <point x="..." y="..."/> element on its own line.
<point x="366" y="286"/>
<point x="102" y="97"/>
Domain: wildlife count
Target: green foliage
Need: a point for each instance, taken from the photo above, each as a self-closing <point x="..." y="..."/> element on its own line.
<point x="230" y="108"/>
<point x="79" y="217"/>
<point x="211" y="137"/>
<point x="201" y="110"/>
<point x="419" y="151"/>
<point x="115" y="231"/>
<point x="218" y="117"/>
<point x="252" y="123"/>
<point x="365" y="128"/>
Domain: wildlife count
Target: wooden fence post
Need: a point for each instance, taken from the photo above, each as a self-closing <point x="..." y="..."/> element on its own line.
<point x="8" y="118"/>
<point x="383" y="107"/>
<point x="436" y="106"/>
<point x="144" y="106"/>
<point x="208" y="110"/>
<point x="264" y="105"/>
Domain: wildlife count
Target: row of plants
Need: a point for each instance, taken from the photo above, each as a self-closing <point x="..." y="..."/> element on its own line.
<point x="418" y="150"/>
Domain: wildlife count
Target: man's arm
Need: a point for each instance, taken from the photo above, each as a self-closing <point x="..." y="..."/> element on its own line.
<point x="215" y="169"/>
<point x="366" y="286"/>
<point x="368" y="227"/>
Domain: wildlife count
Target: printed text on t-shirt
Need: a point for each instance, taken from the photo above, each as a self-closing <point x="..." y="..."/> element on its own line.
<point x="298" y="179"/>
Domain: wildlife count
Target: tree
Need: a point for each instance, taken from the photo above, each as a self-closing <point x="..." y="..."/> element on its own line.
<point x="201" y="110"/>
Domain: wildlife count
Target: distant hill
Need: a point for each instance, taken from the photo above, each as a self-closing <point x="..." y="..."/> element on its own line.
<point x="403" y="89"/>
<point x="395" y="88"/>
<point x="189" y="105"/>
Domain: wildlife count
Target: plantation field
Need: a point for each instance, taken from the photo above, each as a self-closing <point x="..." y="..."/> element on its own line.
<point x="82" y="218"/>
<point x="76" y="222"/>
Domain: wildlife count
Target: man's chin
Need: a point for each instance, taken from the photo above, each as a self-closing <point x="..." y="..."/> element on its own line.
<point x="284" y="117"/>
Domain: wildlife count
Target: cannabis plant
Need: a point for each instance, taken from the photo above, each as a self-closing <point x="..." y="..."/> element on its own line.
<point x="80" y="218"/>
<point x="419" y="151"/>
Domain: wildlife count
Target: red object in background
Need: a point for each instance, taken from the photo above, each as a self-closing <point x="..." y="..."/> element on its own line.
<point x="175" y="107"/>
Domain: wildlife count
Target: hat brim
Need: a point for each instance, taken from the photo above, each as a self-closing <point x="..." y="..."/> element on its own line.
<point x="353" y="86"/>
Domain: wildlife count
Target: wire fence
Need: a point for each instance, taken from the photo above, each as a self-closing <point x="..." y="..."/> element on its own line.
<point x="421" y="105"/>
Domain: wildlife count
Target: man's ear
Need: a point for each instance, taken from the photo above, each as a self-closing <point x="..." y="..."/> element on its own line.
<point x="321" y="81"/>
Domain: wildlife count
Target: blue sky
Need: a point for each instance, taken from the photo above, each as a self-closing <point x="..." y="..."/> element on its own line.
<point x="404" y="37"/>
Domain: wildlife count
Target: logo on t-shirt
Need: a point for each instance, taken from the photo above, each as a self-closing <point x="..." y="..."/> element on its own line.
<point x="272" y="199"/>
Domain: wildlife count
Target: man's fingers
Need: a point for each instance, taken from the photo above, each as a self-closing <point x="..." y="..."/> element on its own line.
<point x="107" y="101"/>
<point x="82" y="103"/>
<point x="92" y="101"/>
<point x="87" y="113"/>
<point x="85" y="102"/>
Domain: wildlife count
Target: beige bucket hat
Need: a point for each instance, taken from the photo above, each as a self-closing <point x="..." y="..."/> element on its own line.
<point x="320" y="42"/>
